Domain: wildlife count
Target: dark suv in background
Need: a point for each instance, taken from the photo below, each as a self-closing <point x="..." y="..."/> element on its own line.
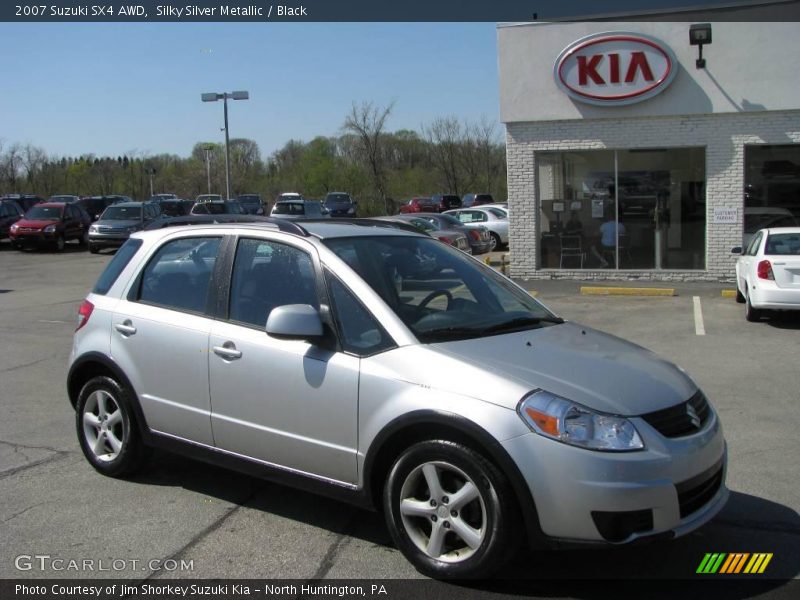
<point x="446" y="201"/>
<point x="251" y="204"/>
<point x="95" y="205"/>
<point x="340" y="204"/>
<point x="10" y="213"/>
<point x="25" y="201"/>
<point x="476" y="200"/>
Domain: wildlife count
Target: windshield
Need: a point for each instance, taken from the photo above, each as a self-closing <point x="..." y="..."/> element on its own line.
<point x="288" y="208"/>
<point x="337" y="199"/>
<point x="249" y="199"/>
<point x="122" y="213"/>
<point x="62" y="199"/>
<point x="44" y="212"/>
<point x="439" y="292"/>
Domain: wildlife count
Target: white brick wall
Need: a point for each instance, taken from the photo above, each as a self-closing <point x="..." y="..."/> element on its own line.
<point x="722" y="135"/>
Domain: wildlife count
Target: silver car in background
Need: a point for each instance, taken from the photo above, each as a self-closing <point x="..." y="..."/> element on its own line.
<point x="387" y="369"/>
<point x="492" y="218"/>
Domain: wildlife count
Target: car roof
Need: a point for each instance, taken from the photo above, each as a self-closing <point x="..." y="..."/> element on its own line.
<point x="52" y="204"/>
<point x="771" y="230"/>
<point x="321" y="229"/>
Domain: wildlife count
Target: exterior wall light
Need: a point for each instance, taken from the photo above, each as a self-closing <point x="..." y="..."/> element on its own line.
<point x="700" y="34"/>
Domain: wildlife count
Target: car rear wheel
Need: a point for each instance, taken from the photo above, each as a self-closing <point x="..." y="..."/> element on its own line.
<point x="739" y="295"/>
<point x="450" y="511"/>
<point x="107" y="429"/>
<point x="495" y="241"/>
<point x="60" y="242"/>
<point x="750" y="313"/>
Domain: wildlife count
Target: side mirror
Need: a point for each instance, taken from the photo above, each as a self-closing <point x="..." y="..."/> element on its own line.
<point x="295" y="322"/>
<point x="736" y="250"/>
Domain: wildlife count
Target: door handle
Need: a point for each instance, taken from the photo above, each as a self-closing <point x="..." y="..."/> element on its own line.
<point x="228" y="351"/>
<point x="126" y="328"/>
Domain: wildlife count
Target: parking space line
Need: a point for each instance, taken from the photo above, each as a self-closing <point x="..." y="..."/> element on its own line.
<point x="699" y="327"/>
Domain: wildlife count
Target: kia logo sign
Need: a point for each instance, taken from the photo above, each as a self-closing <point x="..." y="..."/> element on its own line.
<point x="614" y="68"/>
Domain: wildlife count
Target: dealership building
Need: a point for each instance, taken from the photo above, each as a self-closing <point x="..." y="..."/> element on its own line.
<point x="647" y="150"/>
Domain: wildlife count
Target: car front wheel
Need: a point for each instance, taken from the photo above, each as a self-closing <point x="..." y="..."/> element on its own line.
<point x="450" y="511"/>
<point x="107" y="429"/>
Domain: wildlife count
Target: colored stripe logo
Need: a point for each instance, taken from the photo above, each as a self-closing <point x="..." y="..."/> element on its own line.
<point x="734" y="563"/>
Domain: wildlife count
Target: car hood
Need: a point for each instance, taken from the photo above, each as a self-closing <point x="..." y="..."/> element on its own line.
<point x="119" y="223"/>
<point x="595" y="369"/>
<point x="37" y="223"/>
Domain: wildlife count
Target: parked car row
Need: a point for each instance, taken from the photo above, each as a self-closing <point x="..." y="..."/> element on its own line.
<point x="444" y="202"/>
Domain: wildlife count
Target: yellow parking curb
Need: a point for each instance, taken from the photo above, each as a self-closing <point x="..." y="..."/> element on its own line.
<point x="729" y="293"/>
<point x="626" y="291"/>
<point x="533" y="293"/>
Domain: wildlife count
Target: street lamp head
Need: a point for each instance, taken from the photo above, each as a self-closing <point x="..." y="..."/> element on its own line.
<point x="210" y="97"/>
<point x="240" y="95"/>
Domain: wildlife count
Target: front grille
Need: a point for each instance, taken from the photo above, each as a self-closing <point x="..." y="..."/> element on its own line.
<point x="684" y="419"/>
<point x="696" y="492"/>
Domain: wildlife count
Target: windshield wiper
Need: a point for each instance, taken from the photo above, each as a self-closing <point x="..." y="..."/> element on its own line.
<point x="519" y="323"/>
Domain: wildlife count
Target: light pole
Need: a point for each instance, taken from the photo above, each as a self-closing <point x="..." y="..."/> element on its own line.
<point x="208" y="148"/>
<point x="213" y="97"/>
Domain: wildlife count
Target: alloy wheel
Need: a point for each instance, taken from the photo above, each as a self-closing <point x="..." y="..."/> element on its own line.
<point x="443" y="512"/>
<point x="103" y="426"/>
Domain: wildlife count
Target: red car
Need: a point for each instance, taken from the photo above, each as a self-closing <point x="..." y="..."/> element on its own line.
<point x="416" y="205"/>
<point x="51" y="224"/>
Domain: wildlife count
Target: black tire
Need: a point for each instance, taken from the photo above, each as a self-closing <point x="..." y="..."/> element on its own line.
<point x="495" y="241"/>
<point x="84" y="239"/>
<point x="751" y="314"/>
<point x="95" y="439"/>
<point x="93" y="249"/>
<point x="60" y="243"/>
<point x="491" y="515"/>
<point x="739" y="295"/>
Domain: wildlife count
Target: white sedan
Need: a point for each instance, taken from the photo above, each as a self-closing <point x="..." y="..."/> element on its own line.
<point x="493" y="218"/>
<point x="768" y="272"/>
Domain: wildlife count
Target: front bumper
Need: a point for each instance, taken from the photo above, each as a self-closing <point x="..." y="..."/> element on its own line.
<point x="669" y="489"/>
<point x="100" y="240"/>
<point x="34" y="238"/>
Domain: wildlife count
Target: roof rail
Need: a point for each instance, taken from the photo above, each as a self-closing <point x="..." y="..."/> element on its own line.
<point x="280" y="224"/>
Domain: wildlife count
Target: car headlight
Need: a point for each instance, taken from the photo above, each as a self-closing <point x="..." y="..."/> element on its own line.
<point x="14" y="228"/>
<point x="93" y="229"/>
<point x="351" y="210"/>
<point x="568" y="422"/>
<point x="50" y="229"/>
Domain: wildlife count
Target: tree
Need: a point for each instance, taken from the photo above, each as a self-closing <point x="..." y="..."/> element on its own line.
<point x="367" y="122"/>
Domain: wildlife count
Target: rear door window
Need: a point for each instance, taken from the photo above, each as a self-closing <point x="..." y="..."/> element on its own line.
<point x="116" y="266"/>
<point x="178" y="276"/>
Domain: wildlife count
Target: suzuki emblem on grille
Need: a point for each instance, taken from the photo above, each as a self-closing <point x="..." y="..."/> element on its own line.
<point x="693" y="417"/>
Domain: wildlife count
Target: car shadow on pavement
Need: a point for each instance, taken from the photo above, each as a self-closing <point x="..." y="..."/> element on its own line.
<point x="784" y="319"/>
<point x="746" y="524"/>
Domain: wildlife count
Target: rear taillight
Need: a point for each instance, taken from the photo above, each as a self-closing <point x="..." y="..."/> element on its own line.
<point x="765" y="270"/>
<point x="475" y="235"/>
<point x="446" y="240"/>
<point x="84" y="312"/>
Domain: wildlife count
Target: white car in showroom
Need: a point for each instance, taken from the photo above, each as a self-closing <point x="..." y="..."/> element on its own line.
<point x="768" y="272"/>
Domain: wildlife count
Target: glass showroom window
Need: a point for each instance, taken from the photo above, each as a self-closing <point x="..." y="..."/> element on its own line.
<point x="636" y="209"/>
<point x="772" y="187"/>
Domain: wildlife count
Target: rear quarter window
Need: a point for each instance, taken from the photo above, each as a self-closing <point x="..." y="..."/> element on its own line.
<point x="116" y="266"/>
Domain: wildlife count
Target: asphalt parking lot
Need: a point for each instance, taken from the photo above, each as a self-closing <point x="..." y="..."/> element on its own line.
<point x="232" y="526"/>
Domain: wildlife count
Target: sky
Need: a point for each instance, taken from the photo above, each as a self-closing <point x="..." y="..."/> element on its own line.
<point x="115" y="88"/>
